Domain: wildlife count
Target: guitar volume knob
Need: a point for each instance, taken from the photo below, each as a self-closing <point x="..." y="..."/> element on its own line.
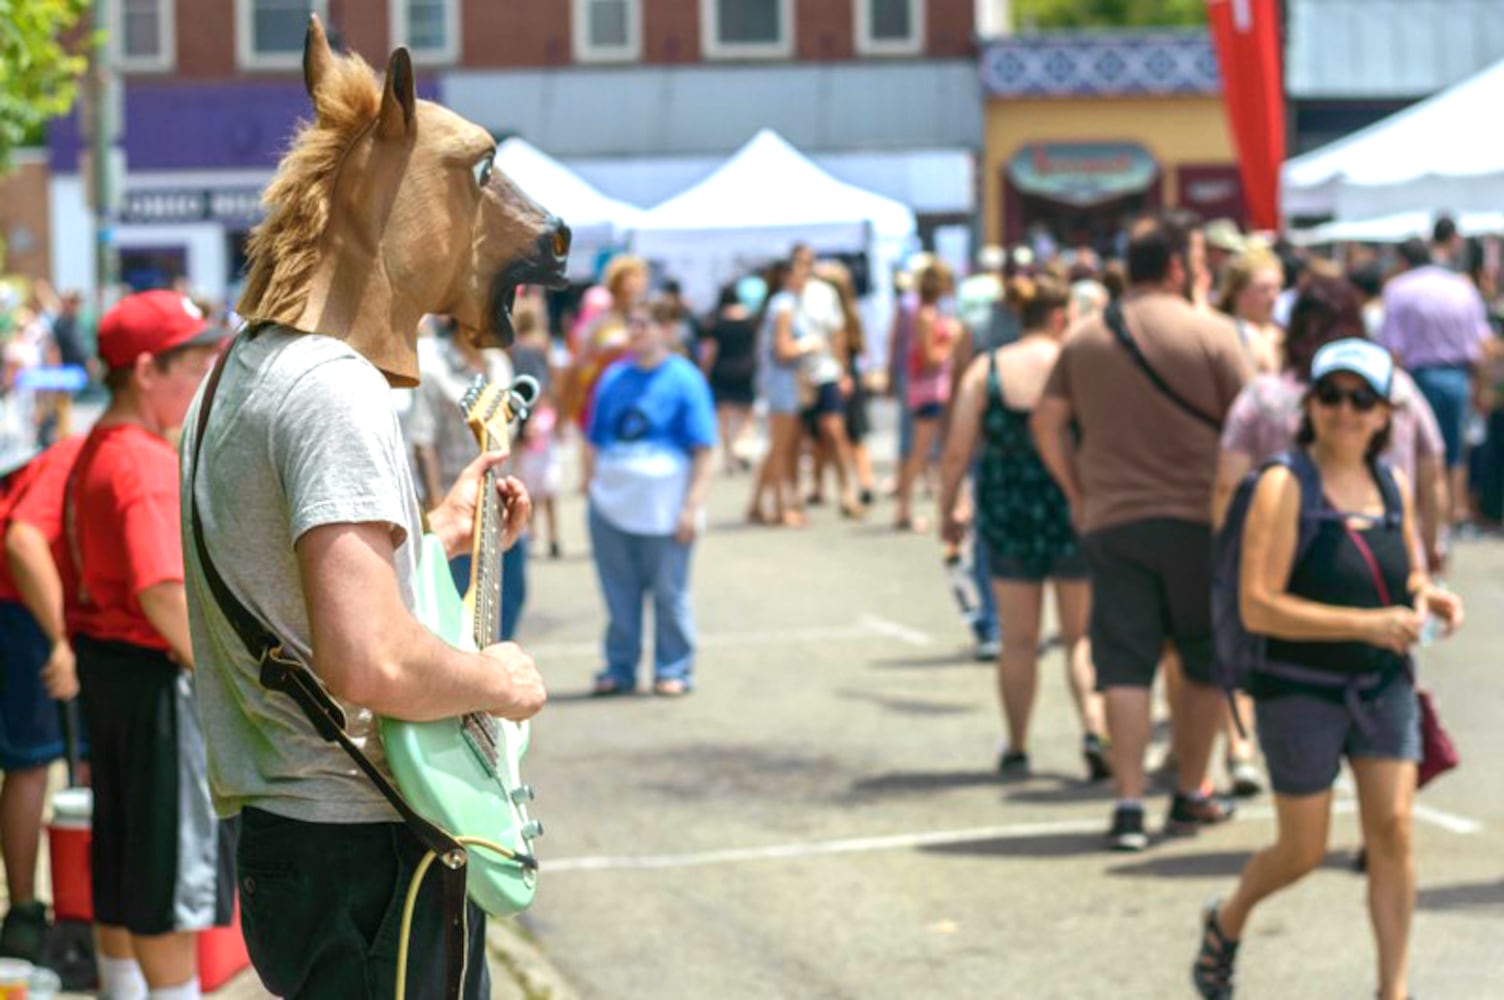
<point x="532" y="828"/>
<point x="522" y="793"/>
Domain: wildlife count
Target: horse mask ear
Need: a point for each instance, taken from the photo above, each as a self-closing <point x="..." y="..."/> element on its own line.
<point x="317" y="56"/>
<point x="398" y="99"/>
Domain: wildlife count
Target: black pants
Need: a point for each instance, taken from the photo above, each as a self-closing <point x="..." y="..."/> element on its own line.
<point x="321" y="904"/>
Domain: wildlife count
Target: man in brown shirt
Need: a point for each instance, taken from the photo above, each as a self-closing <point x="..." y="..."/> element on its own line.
<point x="1139" y="482"/>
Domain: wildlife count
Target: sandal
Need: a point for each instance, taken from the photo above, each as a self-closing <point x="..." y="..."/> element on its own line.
<point x="1212" y="973"/>
<point x="608" y="687"/>
<point x="671" y="688"/>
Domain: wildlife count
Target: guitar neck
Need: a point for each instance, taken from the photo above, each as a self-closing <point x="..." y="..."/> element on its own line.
<point x="487" y="562"/>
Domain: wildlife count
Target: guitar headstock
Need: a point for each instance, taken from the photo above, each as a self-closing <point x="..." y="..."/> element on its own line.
<point x="490" y="407"/>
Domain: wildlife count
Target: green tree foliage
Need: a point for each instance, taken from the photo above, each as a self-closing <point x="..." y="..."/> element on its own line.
<point x="38" y="73"/>
<point x="1046" y="14"/>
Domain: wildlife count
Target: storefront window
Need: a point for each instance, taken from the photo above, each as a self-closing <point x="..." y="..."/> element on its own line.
<point x="270" y="33"/>
<point x="607" y="30"/>
<point x="747" y="28"/>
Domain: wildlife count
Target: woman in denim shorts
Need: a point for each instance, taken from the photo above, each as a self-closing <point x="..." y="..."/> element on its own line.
<point x="1352" y="606"/>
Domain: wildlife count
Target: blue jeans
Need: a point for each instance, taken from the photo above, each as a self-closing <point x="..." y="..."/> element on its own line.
<point x="1448" y="388"/>
<point x="513" y="583"/>
<point x="629" y="568"/>
<point x="985" y="624"/>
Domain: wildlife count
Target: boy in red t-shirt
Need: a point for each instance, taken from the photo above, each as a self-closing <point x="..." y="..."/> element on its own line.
<point x="159" y="858"/>
<point x="36" y="661"/>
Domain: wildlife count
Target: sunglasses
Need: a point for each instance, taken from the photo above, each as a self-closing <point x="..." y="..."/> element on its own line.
<point x="1363" y="399"/>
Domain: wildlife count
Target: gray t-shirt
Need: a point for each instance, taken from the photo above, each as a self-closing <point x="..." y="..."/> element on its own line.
<point x="302" y="434"/>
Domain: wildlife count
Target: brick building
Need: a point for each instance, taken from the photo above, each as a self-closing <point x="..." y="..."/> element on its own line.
<point x="642" y="97"/>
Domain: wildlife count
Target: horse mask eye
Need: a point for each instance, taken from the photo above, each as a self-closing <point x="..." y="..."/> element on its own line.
<point x="482" y="169"/>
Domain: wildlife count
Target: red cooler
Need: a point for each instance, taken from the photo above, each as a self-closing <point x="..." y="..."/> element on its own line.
<point x="221" y="950"/>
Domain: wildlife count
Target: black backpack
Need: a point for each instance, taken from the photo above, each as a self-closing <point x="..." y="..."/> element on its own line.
<point x="1239" y="653"/>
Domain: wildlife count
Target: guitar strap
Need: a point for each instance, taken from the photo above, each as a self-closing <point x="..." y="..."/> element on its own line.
<point x="282" y="671"/>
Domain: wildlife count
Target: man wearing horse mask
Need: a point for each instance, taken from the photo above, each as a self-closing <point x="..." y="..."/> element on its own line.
<point x="385" y="208"/>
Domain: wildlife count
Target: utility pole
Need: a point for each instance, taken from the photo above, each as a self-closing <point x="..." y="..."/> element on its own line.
<point x="101" y="123"/>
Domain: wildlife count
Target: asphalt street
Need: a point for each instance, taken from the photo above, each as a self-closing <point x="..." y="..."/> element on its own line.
<point x="821" y="818"/>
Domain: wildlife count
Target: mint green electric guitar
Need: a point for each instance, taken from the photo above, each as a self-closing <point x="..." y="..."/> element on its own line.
<point x="463" y="774"/>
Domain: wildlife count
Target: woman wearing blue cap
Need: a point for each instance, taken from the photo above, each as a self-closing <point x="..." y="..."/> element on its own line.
<point x="1343" y="612"/>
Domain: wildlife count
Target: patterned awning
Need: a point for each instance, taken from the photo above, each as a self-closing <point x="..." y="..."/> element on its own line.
<point x="1100" y="64"/>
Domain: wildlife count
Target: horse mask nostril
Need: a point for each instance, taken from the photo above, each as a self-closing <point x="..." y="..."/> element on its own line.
<point x="556" y="240"/>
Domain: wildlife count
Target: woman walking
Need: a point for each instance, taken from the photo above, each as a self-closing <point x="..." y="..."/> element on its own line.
<point x="932" y="347"/>
<point x="853" y="386"/>
<point x="729" y="360"/>
<point x="651" y="434"/>
<point x="1025" y="520"/>
<point x="1249" y="291"/>
<point x="786" y="340"/>
<point x="1352" y="607"/>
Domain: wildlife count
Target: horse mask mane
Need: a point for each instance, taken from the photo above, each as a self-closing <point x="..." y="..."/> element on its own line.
<point x="385" y="208"/>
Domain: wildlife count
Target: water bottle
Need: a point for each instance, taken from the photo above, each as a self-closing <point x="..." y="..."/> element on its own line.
<point x="962" y="585"/>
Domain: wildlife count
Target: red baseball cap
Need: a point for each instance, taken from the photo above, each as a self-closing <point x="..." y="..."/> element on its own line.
<point x="152" y="323"/>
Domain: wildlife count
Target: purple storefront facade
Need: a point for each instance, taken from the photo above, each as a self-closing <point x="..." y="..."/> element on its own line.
<point x="196" y="158"/>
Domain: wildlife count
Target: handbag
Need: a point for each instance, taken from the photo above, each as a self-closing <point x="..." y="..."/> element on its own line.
<point x="1438" y="754"/>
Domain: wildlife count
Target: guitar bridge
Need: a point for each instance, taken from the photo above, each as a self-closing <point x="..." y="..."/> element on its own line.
<point x="482" y="736"/>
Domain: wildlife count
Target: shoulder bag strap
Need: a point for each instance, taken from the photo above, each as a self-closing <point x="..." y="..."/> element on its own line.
<point x="281" y="671"/>
<point x="1119" y="327"/>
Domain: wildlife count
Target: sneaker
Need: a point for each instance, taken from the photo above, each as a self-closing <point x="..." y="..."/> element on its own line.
<point x="1212" y="972"/>
<point x="554" y="552"/>
<point x="1127" y="833"/>
<point x="1247" y="779"/>
<point x="1188" y="815"/>
<point x="987" y="650"/>
<point x="1094" y="749"/>
<point x="1013" y="764"/>
<point x="24" y="931"/>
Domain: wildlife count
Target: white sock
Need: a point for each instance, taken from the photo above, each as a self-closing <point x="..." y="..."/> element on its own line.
<point x="1135" y="804"/>
<point x="120" y="979"/>
<point x="183" y="991"/>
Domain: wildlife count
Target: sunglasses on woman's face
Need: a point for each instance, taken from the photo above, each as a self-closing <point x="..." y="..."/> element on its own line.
<point x="1362" y="398"/>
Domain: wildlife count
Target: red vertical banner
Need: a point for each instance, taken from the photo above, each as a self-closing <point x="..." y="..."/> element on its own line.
<point x="1247" y="36"/>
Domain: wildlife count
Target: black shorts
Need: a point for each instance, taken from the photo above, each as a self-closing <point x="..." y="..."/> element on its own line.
<point x="1150" y="584"/>
<point x="1015" y="569"/>
<point x="161" y="861"/>
<point x="321" y="905"/>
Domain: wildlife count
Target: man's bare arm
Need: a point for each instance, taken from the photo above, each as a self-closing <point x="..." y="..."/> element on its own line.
<point x="37" y="578"/>
<point x="41" y="588"/>
<point x="166" y="607"/>
<point x="1050" y="422"/>
<point x="369" y="649"/>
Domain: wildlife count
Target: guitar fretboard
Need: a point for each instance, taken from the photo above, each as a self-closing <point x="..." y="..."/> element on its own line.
<point x="480" y="730"/>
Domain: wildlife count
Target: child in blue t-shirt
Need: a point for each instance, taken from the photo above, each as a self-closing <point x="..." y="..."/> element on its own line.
<point x="651" y="434"/>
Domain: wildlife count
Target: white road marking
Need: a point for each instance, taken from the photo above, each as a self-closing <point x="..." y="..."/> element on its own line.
<point x="869" y="626"/>
<point x="893" y="630"/>
<point x="934" y="838"/>
<point x="1446" y="820"/>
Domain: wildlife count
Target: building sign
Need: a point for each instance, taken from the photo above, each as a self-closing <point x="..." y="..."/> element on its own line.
<point x="1082" y="173"/>
<point x="164" y="205"/>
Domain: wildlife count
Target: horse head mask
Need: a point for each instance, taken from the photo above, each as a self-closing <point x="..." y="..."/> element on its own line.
<point x="386" y="208"/>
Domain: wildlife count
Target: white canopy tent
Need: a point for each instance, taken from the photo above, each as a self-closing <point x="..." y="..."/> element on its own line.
<point x="1438" y="155"/>
<point x="759" y="203"/>
<point x="1396" y="228"/>
<point x="599" y="223"/>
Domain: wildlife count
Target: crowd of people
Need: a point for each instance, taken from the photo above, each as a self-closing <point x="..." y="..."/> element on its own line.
<point x="1084" y="424"/>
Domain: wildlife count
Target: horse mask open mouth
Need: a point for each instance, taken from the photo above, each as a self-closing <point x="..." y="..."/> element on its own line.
<point x="544" y="267"/>
<point x="386" y="208"/>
